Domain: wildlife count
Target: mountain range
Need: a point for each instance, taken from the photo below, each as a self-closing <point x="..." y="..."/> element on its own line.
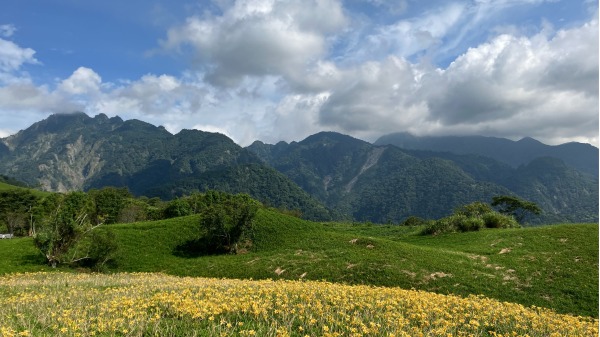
<point x="325" y="176"/>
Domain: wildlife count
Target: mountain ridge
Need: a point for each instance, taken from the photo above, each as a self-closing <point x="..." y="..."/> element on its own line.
<point x="325" y="175"/>
<point x="581" y="156"/>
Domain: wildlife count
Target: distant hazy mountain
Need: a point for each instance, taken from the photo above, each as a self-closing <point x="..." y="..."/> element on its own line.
<point x="327" y="175"/>
<point x="386" y="183"/>
<point x="77" y="152"/>
<point x="583" y="157"/>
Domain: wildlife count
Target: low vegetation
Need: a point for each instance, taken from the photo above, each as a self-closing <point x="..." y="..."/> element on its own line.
<point x="473" y="217"/>
<point x="477" y="254"/>
<point x="53" y="304"/>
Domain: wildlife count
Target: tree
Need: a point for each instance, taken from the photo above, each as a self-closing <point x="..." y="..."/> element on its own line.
<point x="514" y="206"/>
<point x="109" y="202"/>
<point x="64" y="226"/>
<point x="227" y="220"/>
<point x="15" y="208"/>
<point x="177" y="207"/>
<point x="474" y="209"/>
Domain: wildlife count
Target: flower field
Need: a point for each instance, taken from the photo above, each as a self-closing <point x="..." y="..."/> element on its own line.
<point x="62" y="304"/>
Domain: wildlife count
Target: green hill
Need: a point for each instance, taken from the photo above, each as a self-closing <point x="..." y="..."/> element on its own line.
<point x="5" y="187"/>
<point x="550" y="266"/>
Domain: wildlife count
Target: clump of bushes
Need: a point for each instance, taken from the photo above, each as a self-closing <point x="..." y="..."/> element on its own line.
<point x="471" y="217"/>
<point x="414" y="221"/>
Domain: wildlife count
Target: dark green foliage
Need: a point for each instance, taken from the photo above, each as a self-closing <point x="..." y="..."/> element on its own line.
<point x="514" y="206"/>
<point x="12" y="181"/>
<point x="178" y="207"/>
<point x="414" y="221"/>
<point x="445" y="225"/>
<point x="100" y="247"/>
<point x="65" y="228"/>
<point x="469" y="218"/>
<point x="262" y="183"/>
<point x="134" y="211"/>
<point x="109" y="202"/>
<point x="16" y="210"/>
<point x="475" y="209"/>
<point x="227" y="222"/>
<point x="498" y="220"/>
<point x="470" y="224"/>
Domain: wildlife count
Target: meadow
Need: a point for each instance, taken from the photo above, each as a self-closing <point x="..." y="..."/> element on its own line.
<point x="138" y="304"/>
<point x="302" y="278"/>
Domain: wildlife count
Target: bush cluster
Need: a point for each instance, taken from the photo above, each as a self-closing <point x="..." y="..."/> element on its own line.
<point x="471" y="217"/>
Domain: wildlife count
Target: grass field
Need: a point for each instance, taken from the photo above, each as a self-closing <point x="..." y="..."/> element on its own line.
<point x="553" y="266"/>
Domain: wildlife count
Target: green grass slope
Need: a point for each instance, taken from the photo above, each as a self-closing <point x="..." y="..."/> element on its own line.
<point x="551" y="266"/>
<point x="7" y="187"/>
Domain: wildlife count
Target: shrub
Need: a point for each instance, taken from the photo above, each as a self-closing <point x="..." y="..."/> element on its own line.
<point x="414" y="221"/>
<point x="497" y="220"/>
<point x="445" y="225"/>
<point x="100" y="247"/>
<point x="470" y="224"/>
<point x="177" y="208"/>
<point x="65" y="224"/>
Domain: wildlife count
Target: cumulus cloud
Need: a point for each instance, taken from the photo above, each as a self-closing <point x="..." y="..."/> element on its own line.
<point x="160" y="95"/>
<point x="278" y="70"/>
<point x="82" y="81"/>
<point x="259" y="38"/>
<point x="530" y="84"/>
<point x="514" y="86"/>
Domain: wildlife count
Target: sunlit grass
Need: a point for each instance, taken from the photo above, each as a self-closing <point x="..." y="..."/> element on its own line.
<point x="60" y="304"/>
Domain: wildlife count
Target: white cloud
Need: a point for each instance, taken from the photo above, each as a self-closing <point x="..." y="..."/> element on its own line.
<point x="259" y="38"/>
<point x="82" y="81"/>
<point x="12" y="57"/>
<point x="27" y="97"/>
<point x="541" y="86"/>
<point x="530" y="84"/>
<point x="151" y="95"/>
<point x="270" y="70"/>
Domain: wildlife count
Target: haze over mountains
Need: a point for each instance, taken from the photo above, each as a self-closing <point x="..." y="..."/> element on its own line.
<point x="327" y="175"/>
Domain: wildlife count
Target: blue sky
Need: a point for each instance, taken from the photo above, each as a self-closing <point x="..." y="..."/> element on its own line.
<point x="282" y="70"/>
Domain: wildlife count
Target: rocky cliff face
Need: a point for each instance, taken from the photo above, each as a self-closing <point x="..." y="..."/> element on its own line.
<point x="60" y="153"/>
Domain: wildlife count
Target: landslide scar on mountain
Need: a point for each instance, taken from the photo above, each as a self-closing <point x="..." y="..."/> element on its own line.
<point x="372" y="159"/>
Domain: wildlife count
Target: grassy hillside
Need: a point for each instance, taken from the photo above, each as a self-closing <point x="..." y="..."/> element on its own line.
<point x="5" y="187"/>
<point x="552" y="266"/>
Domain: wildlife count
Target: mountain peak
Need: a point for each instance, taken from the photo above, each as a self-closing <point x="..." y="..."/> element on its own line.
<point x="529" y="140"/>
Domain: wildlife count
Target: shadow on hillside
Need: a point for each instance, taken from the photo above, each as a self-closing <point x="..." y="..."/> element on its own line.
<point x="196" y="248"/>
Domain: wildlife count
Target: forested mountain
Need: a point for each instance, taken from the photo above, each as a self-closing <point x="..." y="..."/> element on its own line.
<point x="386" y="183"/>
<point x="327" y="175"/>
<point x="583" y="157"/>
<point x="77" y="152"/>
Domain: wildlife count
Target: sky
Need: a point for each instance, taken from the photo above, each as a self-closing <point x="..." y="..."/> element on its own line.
<point x="275" y="71"/>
